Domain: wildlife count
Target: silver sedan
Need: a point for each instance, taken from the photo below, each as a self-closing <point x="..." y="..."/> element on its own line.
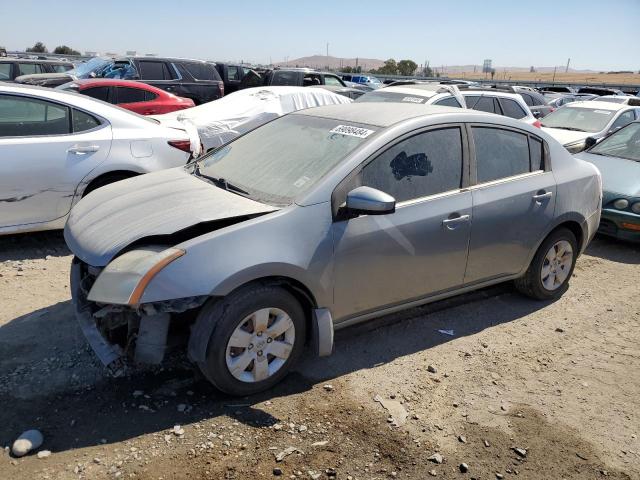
<point x="319" y="220"/>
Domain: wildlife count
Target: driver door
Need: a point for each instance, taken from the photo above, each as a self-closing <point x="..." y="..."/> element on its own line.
<point x="421" y="248"/>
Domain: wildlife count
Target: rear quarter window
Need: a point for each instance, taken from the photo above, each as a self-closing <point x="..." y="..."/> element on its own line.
<point x="512" y="109"/>
<point x="201" y="71"/>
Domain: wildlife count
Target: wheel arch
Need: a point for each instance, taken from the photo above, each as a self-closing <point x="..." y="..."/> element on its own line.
<point x="202" y="330"/>
<point x="103" y="179"/>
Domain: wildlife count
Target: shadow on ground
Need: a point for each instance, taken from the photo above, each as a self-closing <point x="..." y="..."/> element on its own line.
<point x="614" y="250"/>
<point x="28" y="246"/>
<point x="87" y="410"/>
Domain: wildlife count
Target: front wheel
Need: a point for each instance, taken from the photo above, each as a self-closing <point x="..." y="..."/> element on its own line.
<point x="547" y="277"/>
<point x="258" y="336"/>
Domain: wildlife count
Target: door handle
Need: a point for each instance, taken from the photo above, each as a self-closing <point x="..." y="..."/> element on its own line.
<point x="452" y="223"/>
<point x="83" y="149"/>
<point x="542" y="196"/>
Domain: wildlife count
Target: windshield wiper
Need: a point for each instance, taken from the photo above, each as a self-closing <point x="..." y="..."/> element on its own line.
<point x="220" y="182"/>
<point x="573" y="129"/>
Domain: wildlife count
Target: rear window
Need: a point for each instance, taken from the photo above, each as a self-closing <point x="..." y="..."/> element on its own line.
<point x="201" y="71"/>
<point x="392" y="97"/>
<point x="284" y="78"/>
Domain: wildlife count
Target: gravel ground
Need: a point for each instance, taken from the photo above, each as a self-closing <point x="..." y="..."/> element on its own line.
<point x="521" y="388"/>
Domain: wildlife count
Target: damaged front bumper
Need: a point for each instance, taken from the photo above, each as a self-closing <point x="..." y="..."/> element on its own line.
<point x="120" y="334"/>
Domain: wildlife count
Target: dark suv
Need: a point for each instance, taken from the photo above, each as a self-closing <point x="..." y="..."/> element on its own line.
<point x="301" y="77"/>
<point x="192" y="79"/>
<point x="10" y="68"/>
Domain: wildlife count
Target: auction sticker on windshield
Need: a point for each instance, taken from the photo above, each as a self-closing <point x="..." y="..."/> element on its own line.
<point x="352" y="131"/>
<point x="413" y="99"/>
<point x="604" y="112"/>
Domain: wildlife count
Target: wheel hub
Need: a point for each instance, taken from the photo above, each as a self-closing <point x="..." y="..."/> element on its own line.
<point x="260" y="345"/>
<point x="556" y="265"/>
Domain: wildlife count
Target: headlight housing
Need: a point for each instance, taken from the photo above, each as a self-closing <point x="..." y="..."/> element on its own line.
<point x="576" y="147"/>
<point x="635" y="208"/>
<point x="621" y="203"/>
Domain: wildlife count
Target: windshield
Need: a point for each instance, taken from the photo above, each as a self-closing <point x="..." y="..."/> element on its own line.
<point x="580" y="119"/>
<point x="392" y="97"/>
<point x="283" y="159"/>
<point x="625" y="143"/>
<point x="94" y="65"/>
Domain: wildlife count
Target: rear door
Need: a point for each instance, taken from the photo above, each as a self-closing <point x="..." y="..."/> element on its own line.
<point x="46" y="149"/>
<point x="514" y="195"/>
<point x="420" y="249"/>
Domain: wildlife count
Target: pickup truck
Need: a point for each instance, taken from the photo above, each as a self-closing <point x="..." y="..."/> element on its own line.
<point x="192" y="79"/>
<point x="233" y="76"/>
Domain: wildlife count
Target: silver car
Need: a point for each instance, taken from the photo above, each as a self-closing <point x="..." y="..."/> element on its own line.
<point x="318" y="220"/>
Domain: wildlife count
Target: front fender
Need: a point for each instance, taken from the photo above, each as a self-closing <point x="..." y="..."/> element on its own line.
<point x="293" y="243"/>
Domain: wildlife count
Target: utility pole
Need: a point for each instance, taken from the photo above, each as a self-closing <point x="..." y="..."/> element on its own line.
<point x="566" y="70"/>
<point x="327" y="49"/>
<point x="554" y="75"/>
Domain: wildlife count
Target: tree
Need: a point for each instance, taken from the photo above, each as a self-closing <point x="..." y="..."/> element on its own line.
<point x="389" y="68"/>
<point x="407" y="67"/>
<point x="347" y="69"/>
<point x="64" y="50"/>
<point x="39" y="47"/>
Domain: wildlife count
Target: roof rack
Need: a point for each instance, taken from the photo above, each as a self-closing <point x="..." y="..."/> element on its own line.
<point x="494" y="88"/>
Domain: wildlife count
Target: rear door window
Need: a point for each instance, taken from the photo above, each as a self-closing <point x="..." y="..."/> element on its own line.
<point x="29" y="68"/>
<point x="500" y="153"/>
<point x="23" y="116"/>
<point x="624" y="119"/>
<point x="425" y="164"/>
<point x="233" y="72"/>
<point x="481" y="103"/>
<point x="528" y="99"/>
<point x="100" y="93"/>
<point x="331" y="80"/>
<point x="512" y="109"/>
<point x="129" y="95"/>
<point x="155" y="70"/>
<point x="5" y="71"/>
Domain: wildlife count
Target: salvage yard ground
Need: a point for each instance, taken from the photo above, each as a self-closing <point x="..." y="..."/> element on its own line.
<point x="561" y="381"/>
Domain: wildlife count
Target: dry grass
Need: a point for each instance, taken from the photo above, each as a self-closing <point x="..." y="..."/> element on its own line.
<point x="571" y="77"/>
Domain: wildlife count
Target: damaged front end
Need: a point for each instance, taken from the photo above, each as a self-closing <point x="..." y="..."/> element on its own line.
<point x="120" y="334"/>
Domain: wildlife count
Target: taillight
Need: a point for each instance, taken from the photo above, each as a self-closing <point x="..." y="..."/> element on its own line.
<point x="537" y="124"/>
<point x="221" y="85"/>
<point x="552" y="109"/>
<point x="184" y="145"/>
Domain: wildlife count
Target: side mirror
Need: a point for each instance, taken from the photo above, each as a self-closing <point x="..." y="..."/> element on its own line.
<point x="589" y="142"/>
<point x="369" y="201"/>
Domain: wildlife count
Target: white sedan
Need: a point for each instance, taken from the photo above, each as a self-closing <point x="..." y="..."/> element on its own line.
<point x="56" y="147"/>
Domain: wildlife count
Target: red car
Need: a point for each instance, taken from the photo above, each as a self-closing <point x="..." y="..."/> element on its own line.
<point x="135" y="96"/>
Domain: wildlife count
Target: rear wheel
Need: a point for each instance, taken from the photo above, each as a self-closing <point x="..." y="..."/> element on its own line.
<point x="547" y="278"/>
<point x="259" y="334"/>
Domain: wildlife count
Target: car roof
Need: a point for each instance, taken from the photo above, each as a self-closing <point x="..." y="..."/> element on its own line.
<point x="422" y="89"/>
<point x="115" y="82"/>
<point x="32" y="60"/>
<point x="596" y="104"/>
<point x="378" y="114"/>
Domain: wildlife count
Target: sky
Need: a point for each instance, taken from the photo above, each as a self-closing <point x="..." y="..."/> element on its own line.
<point x="594" y="34"/>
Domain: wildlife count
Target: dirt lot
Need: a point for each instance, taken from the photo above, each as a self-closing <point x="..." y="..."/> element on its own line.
<point x="560" y="380"/>
<point x="560" y="77"/>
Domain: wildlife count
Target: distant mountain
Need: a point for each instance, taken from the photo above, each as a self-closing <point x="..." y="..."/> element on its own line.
<point x="336" y="63"/>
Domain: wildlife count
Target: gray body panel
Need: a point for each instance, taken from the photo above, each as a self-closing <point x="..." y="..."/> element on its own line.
<point x="357" y="267"/>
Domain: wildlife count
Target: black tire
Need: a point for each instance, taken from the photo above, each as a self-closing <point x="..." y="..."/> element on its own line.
<point x="530" y="284"/>
<point x="227" y="314"/>
<point x="106" y="179"/>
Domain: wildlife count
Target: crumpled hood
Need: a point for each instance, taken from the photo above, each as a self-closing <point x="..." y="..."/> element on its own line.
<point x="619" y="175"/>
<point x="160" y="203"/>
<point x="566" y="136"/>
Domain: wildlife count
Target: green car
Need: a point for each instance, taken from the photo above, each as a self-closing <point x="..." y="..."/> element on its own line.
<point x="618" y="159"/>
